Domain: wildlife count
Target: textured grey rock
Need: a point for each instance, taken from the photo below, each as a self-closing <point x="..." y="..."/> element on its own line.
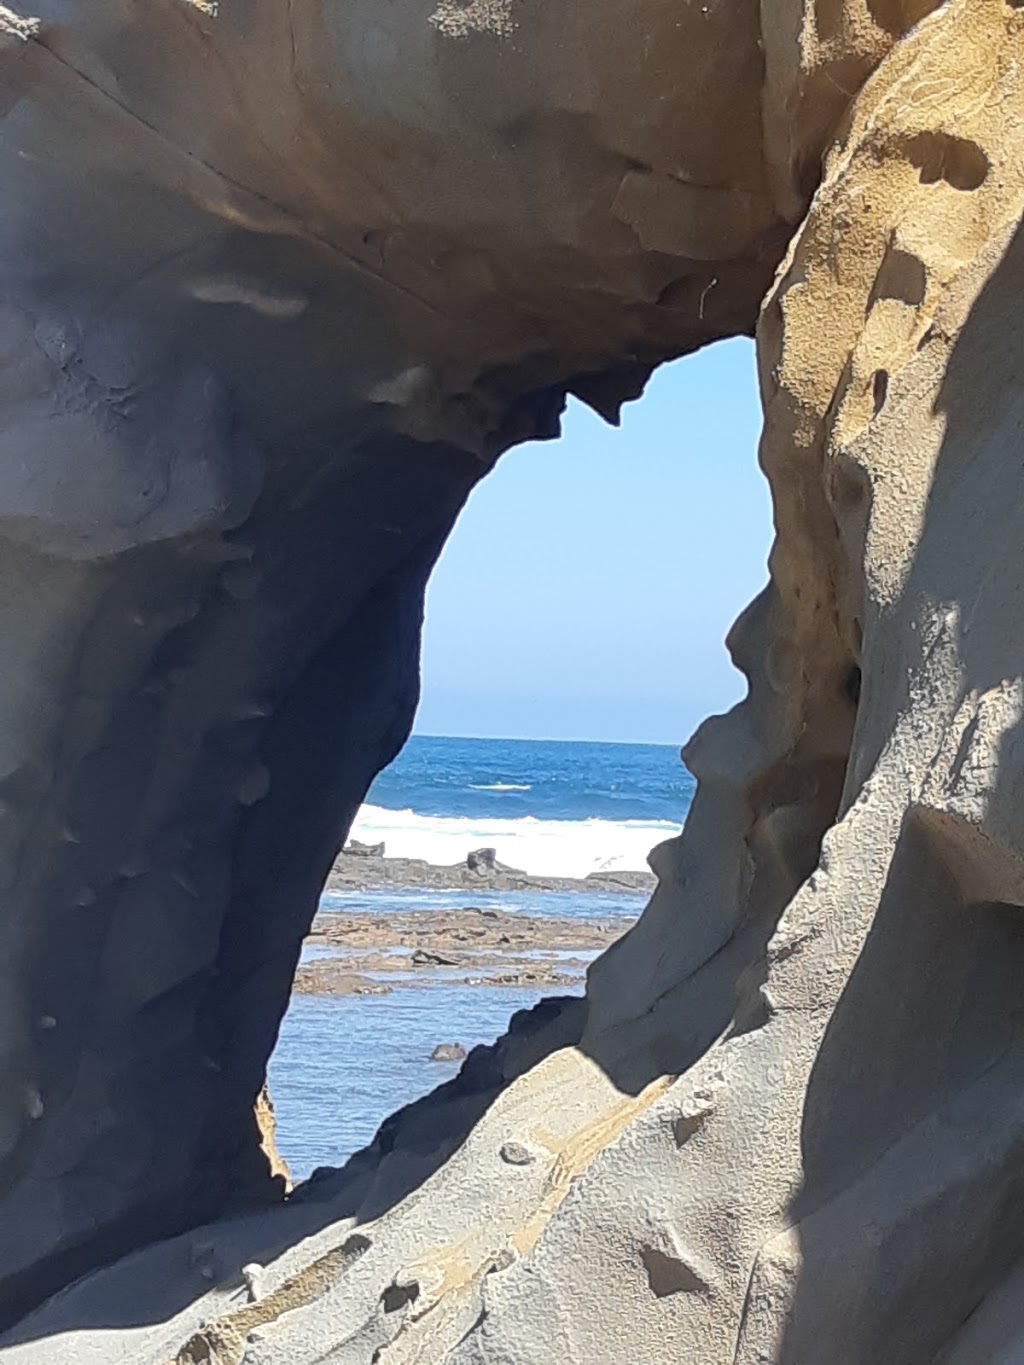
<point x="448" y="1052"/>
<point x="272" y="298"/>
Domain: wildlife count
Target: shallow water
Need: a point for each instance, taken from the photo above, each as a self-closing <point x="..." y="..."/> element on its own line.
<point x="342" y="1065"/>
<point x="325" y="952"/>
<point x="548" y="904"/>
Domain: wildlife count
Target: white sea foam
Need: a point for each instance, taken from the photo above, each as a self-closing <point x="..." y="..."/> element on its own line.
<point x="500" y="787"/>
<point x="552" y="848"/>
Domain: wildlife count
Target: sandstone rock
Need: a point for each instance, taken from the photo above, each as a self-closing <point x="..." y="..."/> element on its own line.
<point x="354" y="849"/>
<point x="278" y="285"/>
<point x="267" y="1125"/>
<point x="482" y="860"/>
<point x="367" y="871"/>
<point x="448" y="1052"/>
<point x="252" y="1278"/>
<point x="422" y="957"/>
<point x="323" y="978"/>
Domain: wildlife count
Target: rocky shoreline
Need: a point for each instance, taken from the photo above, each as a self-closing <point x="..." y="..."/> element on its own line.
<point x="363" y="868"/>
<point x="360" y="953"/>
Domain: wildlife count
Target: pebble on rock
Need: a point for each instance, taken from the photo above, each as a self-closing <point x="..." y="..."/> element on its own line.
<point x="516" y="1154"/>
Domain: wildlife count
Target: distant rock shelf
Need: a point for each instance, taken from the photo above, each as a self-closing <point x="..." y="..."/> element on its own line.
<point x="360" y="954"/>
<point x="364" y="867"/>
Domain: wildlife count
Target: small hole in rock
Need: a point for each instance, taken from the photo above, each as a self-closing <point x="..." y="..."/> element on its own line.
<point x="686" y="1125"/>
<point x="901" y="276"/>
<point x="879" y="390"/>
<point x="897" y="16"/>
<point x="397" y="1296"/>
<point x="669" y="1275"/>
<point x="940" y="156"/>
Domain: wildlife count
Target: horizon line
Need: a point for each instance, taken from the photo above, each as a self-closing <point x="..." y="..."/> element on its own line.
<point x="550" y="739"/>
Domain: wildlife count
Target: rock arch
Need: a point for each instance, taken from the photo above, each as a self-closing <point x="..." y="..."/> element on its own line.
<point x="279" y="283"/>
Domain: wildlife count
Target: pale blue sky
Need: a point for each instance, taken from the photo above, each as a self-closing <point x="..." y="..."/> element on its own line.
<point x="588" y="586"/>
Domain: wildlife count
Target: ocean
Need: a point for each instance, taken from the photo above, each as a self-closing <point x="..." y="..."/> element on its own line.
<point x="553" y="808"/>
<point x="549" y="807"/>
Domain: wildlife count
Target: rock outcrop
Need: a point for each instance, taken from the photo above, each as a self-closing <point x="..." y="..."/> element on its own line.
<point x="266" y="1122"/>
<point x="279" y="283"/>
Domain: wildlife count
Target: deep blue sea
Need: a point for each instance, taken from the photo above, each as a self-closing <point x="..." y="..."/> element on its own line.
<point x="550" y="779"/>
<point x="548" y="807"/>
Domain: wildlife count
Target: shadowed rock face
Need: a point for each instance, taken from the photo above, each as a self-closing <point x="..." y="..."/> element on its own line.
<point x="276" y="286"/>
<point x="278" y="282"/>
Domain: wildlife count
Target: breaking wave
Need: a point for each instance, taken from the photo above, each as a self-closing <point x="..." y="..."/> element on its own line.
<point x="552" y="848"/>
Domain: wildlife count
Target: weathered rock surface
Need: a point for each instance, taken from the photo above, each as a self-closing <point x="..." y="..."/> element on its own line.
<point x="279" y="282"/>
<point x="370" y="872"/>
<point x="266" y="1121"/>
<point x="448" y="1052"/>
<point x="468" y="946"/>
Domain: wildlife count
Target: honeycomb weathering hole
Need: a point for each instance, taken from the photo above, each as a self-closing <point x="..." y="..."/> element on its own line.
<point x="902" y="276"/>
<point x="957" y="161"/>
<point x="879" y="390"/>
